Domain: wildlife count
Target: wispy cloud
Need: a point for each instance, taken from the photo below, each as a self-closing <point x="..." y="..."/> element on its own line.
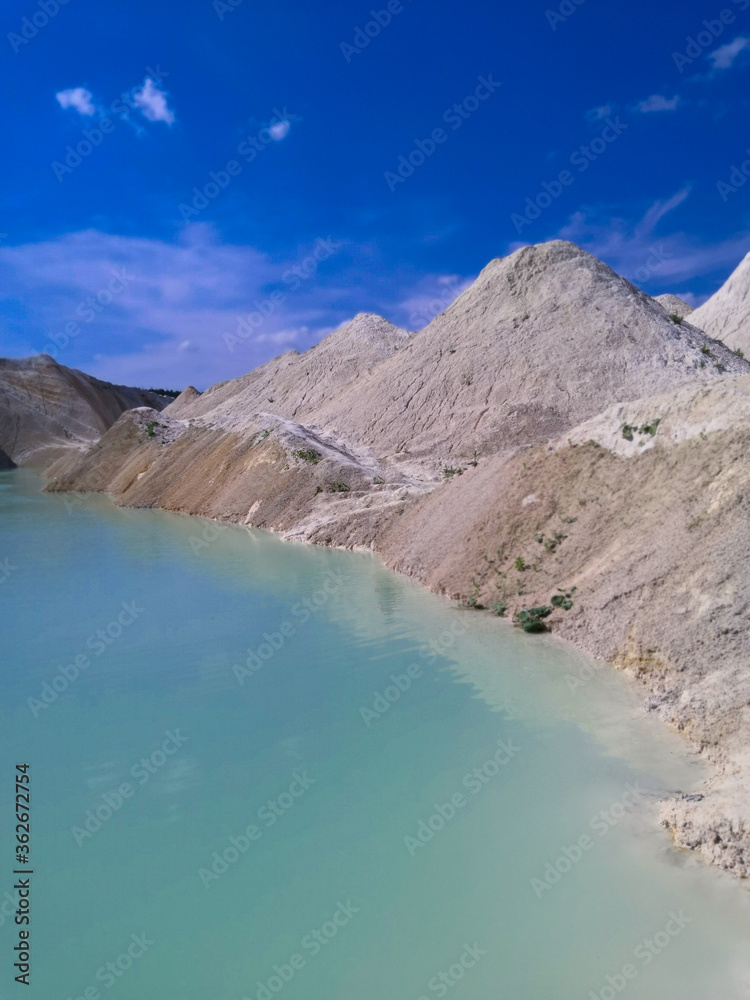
<point x="658" y="103"/>
<point x="725" y="56"/>
<point x="280" y="130"/>
<point x="152" y="103"/>
<point x="638" y="251"/>
<point x="78" y="98"/>
<point x="600" y="113"/>
<point x="168" y="323"/>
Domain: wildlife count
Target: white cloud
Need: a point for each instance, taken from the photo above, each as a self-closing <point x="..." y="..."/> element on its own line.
<point x="78" y="98"/>
<point x="598" y="114"/>
<point x="280" y="130"/>
<point x="658" y="103"/>
<point x="152" y="103"/>
<point x="167" y="325"/>
<point x="725" y="56"/>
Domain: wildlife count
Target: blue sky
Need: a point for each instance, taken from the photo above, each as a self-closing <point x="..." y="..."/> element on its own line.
<point x="605" y="124"/>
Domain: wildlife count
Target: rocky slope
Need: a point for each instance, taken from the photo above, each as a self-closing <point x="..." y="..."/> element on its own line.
<point x="47" y="410"/>
<point x="553" y="429"/>
<point x="726" y="315"/>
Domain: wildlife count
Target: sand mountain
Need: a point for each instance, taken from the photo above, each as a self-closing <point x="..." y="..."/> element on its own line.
<point x="674" y="305"/>
<point x="611" y="456"/>
<point x="726" y="315"/>
<point x="542" y="340"/>
<point x="294" y="385"/>
<point x="47" y="409"/>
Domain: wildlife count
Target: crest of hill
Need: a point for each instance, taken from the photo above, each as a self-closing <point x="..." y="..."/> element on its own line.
<point x="726" y="315"/>
<point x="674" y="305"/>
<point x="294" y="384"/>
<point x="542" y="340"/>
<point x="46" y="408"/>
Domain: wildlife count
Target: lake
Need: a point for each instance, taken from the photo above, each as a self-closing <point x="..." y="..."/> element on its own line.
<point x="265" y="769"/>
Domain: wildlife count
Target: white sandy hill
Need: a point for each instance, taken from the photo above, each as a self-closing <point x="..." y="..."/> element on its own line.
<point x="542" y="340"/>
<point x="726" y="315"/>
<point x="47" y="409"/>
<point x="294" y="384"/>
<point x="674" y="305"/>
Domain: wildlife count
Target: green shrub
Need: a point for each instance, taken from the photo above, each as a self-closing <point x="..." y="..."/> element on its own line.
<point x="532" y="619"/>
<point x="338" y="488"/>
<point x="150" y="428"/>
<point x="499" y="608"/>
<point x="520" y="564"/>
<point x="676" y="318"/>
<point x="307" y="455"/>
<point x="448" y="471"/>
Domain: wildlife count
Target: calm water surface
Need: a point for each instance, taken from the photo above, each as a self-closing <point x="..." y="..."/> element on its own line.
<point x="262" y="769"/>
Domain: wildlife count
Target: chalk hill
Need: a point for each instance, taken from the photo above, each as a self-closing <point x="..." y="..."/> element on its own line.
<point x="726" y="315"/>
<point x="47" y="409"/>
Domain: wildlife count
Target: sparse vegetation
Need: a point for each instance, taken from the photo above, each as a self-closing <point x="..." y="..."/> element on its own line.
<point x="449" y="471"/>
<point x="378" y="480"/>
<point x="532" y="619"/>
<point x="150" y="428"/>
<point x="563" y="599"/>
<point x="318" y="489"/>
<point x="739" y="352"/>
<point x="307" y="455"/>
<point x="475" y="461"/>
<point x="265" y="434"/>
<point x="676" y="318"/>
<point x="338" y="488"/>
<point x="520" y="564"/>
<point x="706" y="350"/>
<point x="629" y="430"/>
<point x="499" y="608"/>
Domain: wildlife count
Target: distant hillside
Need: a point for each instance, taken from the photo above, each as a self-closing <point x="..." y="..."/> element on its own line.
<point x="47" y="409"/>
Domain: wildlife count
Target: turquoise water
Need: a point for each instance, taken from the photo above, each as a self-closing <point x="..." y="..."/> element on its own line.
<point x="249" y="825"/>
